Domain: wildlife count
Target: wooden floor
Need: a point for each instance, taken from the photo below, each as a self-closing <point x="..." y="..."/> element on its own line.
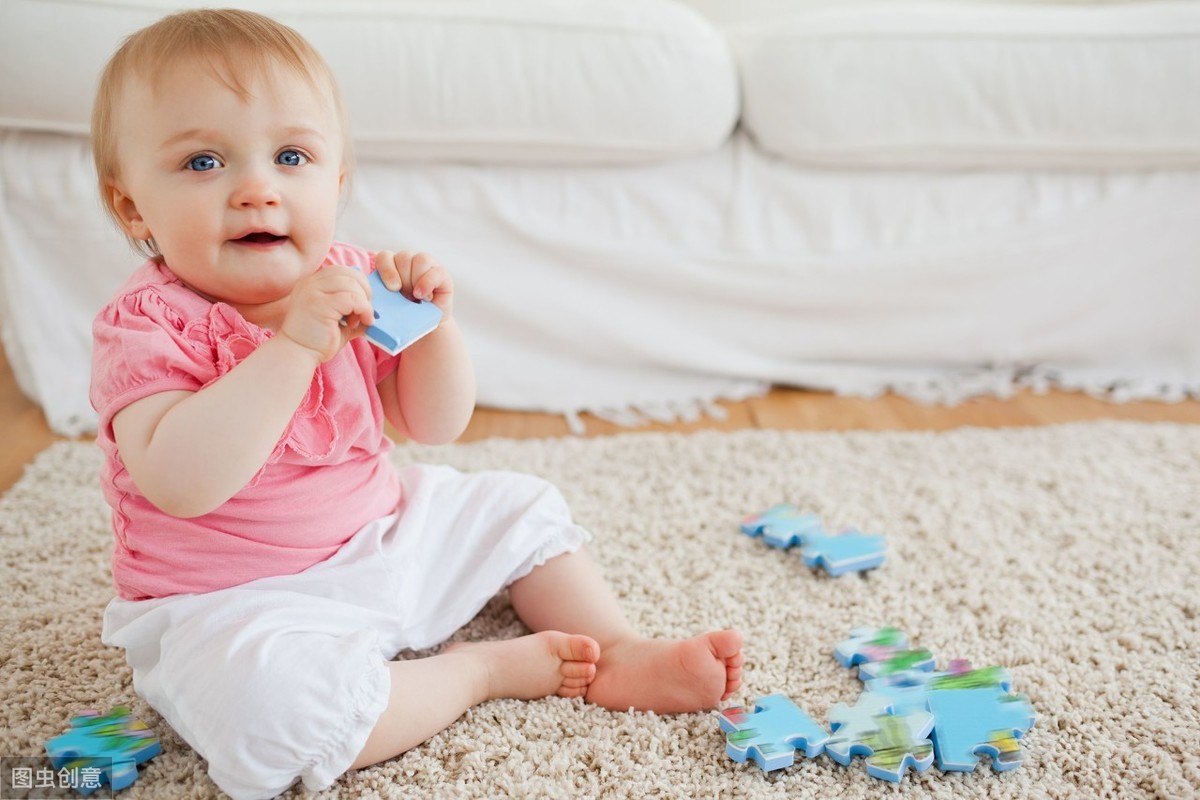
<point x="25" y="432"/>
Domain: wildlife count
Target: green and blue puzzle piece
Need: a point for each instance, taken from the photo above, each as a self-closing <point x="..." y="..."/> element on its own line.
<point x="891" y="742"/>
<point x="973" y="711"/>
<point x="771" y="732"/>
<point x="908" y="715"/>
<point x="111" y="745"/>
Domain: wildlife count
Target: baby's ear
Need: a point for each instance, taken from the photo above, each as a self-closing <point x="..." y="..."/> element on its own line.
<point x="126" y="212"/>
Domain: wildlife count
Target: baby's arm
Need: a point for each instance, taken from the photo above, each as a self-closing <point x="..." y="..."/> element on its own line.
<point x="189" y="452"/>
<point x="431" y="395"/>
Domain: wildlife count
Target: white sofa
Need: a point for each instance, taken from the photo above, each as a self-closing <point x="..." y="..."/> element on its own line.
<point x="649" y="205"/>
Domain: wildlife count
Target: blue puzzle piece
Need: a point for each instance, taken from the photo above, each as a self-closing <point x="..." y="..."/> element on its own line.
<point x="908" y="690"/>
<point x="850" y="724"/>
<point x="771" y="732"/>
<point x="782" y="525"/>
<point x="891" y="742"/>
<point x="852" y="551"/>
<point x="398" y="321"/>
<point x="900" y="743"/>
<point x="880" y="652"/>
<point x="111" y="745"/>
<point x="974" y="722"/>
<point x="972" y="710"/>
<point x="869" y="644"/>
<point x="900" y="661"/>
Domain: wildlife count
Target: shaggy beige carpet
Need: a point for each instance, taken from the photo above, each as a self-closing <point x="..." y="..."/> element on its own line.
<point x="1069" y="554"/>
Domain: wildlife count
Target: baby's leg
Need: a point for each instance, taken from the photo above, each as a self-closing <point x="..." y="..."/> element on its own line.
<point x="430" y="693"/>
<point x="664" y="675"/>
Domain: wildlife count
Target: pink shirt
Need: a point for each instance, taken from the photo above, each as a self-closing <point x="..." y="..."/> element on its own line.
<point x="327" y="477"/>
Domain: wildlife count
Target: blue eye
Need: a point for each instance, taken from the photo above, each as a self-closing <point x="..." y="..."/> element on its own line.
<point x="291" y="158"/>
<point x="203" y="163"/>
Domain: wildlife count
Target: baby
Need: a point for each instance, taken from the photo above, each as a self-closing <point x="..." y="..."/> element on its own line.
<point x="270" y="562"/>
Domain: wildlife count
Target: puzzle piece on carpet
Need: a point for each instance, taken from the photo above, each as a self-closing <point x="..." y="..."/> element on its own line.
<point x="849" y="551"/>
<point x="869" y="644"/>
<point x="891" y="742"/>
<point x="771" y="732"/>
<point x="967" y="678"/>
<point x="852" y="723"/>
<point x="113" y="744"/>
<point x="881" y="651"/>
<point x="398" y="321"/>
<point x="782" y="525"/>
<point x="978" y="721"/>
<point x="972" y="710"/>
<point x="901" y="742"/>
<point x="900" y="661"/>
<point x="908" y="690"/>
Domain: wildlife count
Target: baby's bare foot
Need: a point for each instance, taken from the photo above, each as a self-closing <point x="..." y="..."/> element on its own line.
<point x="669" y="676"/>
<point x="538" y="665"/>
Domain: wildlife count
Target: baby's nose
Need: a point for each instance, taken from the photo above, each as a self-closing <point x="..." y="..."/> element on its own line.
<point x="254" y="190"/>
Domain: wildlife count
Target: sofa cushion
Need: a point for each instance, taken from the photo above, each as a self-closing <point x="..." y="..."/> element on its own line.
<point x="911" y="84"/>
<point x="607" y="81"/>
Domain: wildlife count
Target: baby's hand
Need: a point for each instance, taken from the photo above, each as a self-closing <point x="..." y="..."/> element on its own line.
<point x="328" y="309"/>
<point x="419" y="276"/>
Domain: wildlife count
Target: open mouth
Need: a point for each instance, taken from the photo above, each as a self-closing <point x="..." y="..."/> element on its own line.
<point x="260" y="237"/>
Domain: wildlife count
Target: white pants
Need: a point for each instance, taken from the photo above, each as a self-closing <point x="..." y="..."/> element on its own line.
<point x="284" y="678"/>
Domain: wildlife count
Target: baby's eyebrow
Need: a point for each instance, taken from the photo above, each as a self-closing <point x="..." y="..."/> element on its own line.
<point x="192" y="134"/>
<point x="301" y="130"/>
<point x="209" y="135"/>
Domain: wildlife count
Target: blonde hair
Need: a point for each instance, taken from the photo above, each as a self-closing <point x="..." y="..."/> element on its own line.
<point x="234" y="46"/>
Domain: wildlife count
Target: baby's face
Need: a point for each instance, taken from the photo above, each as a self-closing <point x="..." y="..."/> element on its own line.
<point x="240" y="196"/>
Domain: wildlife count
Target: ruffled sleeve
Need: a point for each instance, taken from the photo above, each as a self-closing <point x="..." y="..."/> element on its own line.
<point x="143" y="344"/>
<point x="159" y="336"/>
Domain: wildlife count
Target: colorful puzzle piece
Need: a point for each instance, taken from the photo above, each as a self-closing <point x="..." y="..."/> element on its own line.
<point x="974" y="722"/>
<point x="398" y="321"/>
<point x="909" y="690"/>
<point x="881" y="651"/>
<point x="112" y="744"/>
<point x="982" y="678"/>
<point x="900" y="661"/>
<point x="851" y="724"/>
<point x="869" y="644"/>
<point x="891" y="742"/>
<point x="908" y="715"/>
<point x="900" y="743"/>
<point x="771" y="732"/>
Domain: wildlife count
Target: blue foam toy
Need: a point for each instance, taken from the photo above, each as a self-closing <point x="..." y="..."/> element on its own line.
<point x="851" y="723"/>
<point x="111" y="745"/>
<point x="901" y="661"/>
<point x="782" y="525"/>
<point x="891" y="742"/>
<point x="869" y="644"/>
<point x="908" y="690"/>
<point x="974" y="722"/>
<point x="398" y="321"/>
<point x="771" y="732"/>
<point x="838" y="553"/>
<point x="908" y="715"/>
<point x="973" y="711"/>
